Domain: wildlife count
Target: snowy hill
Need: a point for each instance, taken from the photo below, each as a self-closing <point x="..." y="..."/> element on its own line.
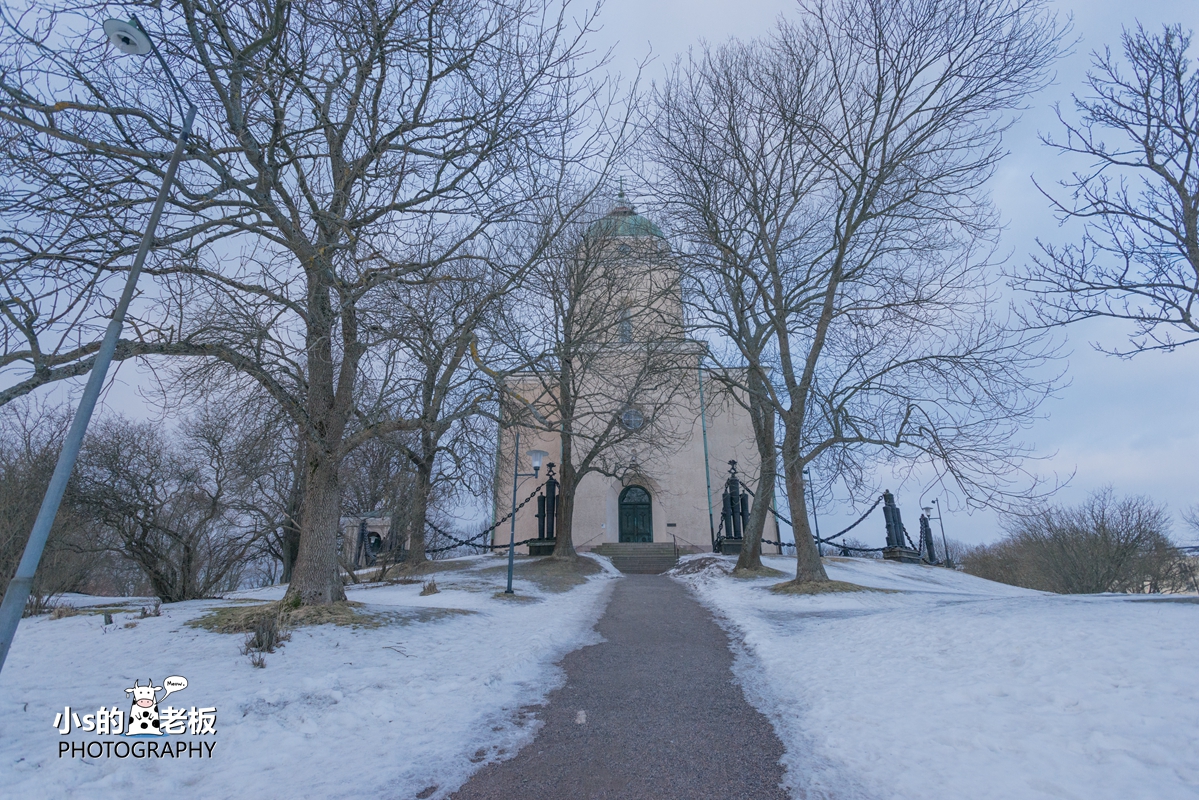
<point x="943" y="686"/>
<point x="409" y="708"/>
<point x="950" y="686"/>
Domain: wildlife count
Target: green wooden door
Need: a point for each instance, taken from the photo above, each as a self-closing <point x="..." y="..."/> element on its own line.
<point x="636" y="516"/>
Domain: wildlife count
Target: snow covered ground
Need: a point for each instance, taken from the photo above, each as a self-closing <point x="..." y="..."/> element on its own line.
<point x="955" y="687"/>
<point x="410" y="708"/>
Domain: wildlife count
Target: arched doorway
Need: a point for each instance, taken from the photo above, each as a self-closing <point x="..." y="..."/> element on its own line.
<point x="636" y="515"/>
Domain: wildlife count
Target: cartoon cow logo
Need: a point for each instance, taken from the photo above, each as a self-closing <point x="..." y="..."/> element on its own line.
<point x="143" y="715"/>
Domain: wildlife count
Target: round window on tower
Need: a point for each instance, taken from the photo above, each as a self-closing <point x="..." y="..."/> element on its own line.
<point x="632" y="418"/>
<point x="624" y="249"/>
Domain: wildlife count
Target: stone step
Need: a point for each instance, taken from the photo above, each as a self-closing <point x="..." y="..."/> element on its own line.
<point x="643" y="565"/>
<point x="635" y="548"/>
<point x="639" y="558"/>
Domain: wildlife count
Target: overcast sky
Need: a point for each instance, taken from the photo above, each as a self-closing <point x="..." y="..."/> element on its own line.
<point x="1131" y="424"/>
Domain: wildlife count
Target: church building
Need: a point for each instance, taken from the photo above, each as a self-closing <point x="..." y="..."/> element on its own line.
<point x="654" y="489"/>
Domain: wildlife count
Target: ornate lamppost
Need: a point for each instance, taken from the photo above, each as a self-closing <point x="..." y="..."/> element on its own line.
<point x="535" y="457"/>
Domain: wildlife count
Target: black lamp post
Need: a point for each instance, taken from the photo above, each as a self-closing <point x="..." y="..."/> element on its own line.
<point x="535" y="457"/>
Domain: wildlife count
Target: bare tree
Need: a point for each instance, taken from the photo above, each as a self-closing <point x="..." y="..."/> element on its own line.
<point x="1105" y="544"/>
<point x="836" y="171"/>
<point x="378" y="479"/>
<point x="427" y="375"/>
<point x="340" y="148"/>
<point x="1137" y="200"/>
<point x="30" y="437"/>
<point x="268" y="454"/>
<point x="603" y="365"/>
<point x="166" y="502"/>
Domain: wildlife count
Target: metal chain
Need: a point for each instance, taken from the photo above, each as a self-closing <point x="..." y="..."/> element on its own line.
<point x="470" y="542"/>
<point x="828" y="540"/>
<point x="909" y="538"/>
<point x="842" y="546"/>
<point x="861" y="519"/>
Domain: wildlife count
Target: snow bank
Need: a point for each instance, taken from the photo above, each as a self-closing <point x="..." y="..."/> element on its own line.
<point x="392" y="711"/>
<point x="955" y="687"/>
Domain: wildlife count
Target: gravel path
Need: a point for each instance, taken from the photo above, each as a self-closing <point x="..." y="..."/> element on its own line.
<point x="653" y="712"/>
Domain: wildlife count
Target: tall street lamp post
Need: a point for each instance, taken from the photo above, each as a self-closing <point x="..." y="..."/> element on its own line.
<point x="130" y="38"/>
<point x="944" y="541"/>
<point x="535" y="457"/>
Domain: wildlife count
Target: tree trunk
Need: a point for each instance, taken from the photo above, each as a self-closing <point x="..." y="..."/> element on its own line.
<point x="751" y="547"/>
<point x="564" y="547"/>
<point x="808" y="566"/>
<point x="419" y="511"/>
<point x="316" y="579"/>
<point x="289" y="538"/>
<point x="763" y="422"/>
<point x="289" y="549"/>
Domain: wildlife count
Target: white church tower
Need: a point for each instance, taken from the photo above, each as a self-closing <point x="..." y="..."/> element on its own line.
<point x="659" y="492"/>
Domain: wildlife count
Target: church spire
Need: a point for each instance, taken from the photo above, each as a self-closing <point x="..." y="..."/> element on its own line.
<point x="623" y="207"/>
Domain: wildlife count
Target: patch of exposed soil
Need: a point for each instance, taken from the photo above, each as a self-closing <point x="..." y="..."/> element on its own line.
<point x="760" y="572"/>
<point x="820" y="587"/>
<point x="244" y="619"/>
<point x="549" y="573"/>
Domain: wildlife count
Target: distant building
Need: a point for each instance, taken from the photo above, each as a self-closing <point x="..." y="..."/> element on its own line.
<point x="365" y="537"/>
<point x="661" y="493"/>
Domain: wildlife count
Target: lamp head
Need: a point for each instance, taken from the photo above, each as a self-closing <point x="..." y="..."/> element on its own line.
<point x="928" y="510"/>
<point x="535" y="457"/>
<point x="127" y="37"/>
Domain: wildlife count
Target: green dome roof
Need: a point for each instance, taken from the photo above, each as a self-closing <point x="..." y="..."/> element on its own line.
<point x="622" y="220"/>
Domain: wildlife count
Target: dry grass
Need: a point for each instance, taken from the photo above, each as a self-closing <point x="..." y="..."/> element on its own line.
<point x="247" y="619"/>
<point x="63" y="611"/>
<point x="551" y="574"/>
<point x="516" y="598"/>
<point x="60" y="612"/>
<point x="430" y="587"/>
<point x="760" y="572"/>
<point x="819" y="587"/>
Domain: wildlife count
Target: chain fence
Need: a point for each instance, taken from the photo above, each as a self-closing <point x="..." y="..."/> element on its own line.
<point x="830" y="539"/>
<point x="471" y="541"/>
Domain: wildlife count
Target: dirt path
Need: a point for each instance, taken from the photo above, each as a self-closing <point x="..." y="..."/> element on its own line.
<point x="651" y="713"/>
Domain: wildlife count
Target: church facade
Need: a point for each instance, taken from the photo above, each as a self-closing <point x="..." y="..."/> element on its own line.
<point x="663" y="489"/>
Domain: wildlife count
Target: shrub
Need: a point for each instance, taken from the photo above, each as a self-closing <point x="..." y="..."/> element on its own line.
<point x="269" y="632"/>
<point x="1103" y="545"/>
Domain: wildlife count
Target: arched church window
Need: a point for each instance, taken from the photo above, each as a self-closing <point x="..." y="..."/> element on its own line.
<point x="624" y="330"/>
<point x="632" y="418"/>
